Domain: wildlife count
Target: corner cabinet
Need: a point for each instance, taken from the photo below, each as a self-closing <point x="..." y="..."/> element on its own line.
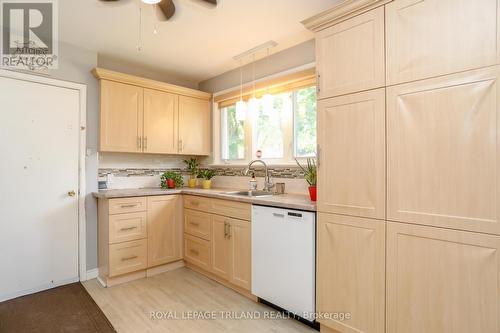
<point x="137" y="235"/>
<point x="144" y="116"/>
<point x="194" y="126"/>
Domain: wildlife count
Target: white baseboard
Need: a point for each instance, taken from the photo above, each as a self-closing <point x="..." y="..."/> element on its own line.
<point x="19" y="293"/>
<point x="92" y="274"/>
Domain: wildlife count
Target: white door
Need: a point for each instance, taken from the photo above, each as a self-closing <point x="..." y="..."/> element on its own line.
<point x="39" y="147"/>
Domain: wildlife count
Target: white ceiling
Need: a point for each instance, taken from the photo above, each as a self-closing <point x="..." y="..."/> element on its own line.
<point x="198" y="42"/>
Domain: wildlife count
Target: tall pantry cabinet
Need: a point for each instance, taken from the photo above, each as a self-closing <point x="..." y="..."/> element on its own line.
<point x="409" y="166"/>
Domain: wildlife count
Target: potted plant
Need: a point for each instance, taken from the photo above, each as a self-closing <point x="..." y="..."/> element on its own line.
<point x="311" y="176"/>
<point x="207" y="175"/>
<point x="192" y="168"/>
<point x="171" y="179"/>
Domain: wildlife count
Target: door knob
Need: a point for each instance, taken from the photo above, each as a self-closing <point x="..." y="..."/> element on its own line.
<point x="71" y="193"/>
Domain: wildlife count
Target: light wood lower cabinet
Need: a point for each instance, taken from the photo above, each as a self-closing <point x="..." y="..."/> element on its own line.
<point x="164" y="229"/>
<point x="219" y="242"/>
<point x="351" y="273"/>
<point x="442" y="280"/>
<point x="240" y="234"/>
<point x="221" y="247"/>
<point x="135" y="234"/>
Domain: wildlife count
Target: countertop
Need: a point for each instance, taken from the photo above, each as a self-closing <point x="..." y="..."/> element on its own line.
<point x="290" y="201"/>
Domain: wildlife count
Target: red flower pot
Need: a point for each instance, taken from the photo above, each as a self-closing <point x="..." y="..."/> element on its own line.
<point x="170" y="183"/>
<point x="312" y="193"/>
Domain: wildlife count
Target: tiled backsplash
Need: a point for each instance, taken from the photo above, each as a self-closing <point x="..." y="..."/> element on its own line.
<point x="275" y="172"/>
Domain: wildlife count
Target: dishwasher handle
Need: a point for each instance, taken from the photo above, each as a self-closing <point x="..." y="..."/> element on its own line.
<point x="279" y="215"/>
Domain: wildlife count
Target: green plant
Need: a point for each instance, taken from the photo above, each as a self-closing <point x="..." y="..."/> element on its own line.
<point x="206" y="174"/>
<point x="175" y="176"/>
<point x="192" y="166"/>
<point x="311" y="174"/>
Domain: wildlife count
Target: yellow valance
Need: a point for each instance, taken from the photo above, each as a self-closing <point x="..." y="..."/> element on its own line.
<point x="278" y="85"/>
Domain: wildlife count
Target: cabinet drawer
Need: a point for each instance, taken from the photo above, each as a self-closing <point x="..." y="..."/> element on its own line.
<point x="233" y="209"/>
<point x="127" y="205"/>
<point x="128" y="257"/>
<point x="198" y="203"/>
<point x="197" y="251"/>
<point x="197" y="224"/>
<point x="127" y="227"/>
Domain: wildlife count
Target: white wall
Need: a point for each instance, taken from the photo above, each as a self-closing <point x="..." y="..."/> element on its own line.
<point x="293" y="57"/>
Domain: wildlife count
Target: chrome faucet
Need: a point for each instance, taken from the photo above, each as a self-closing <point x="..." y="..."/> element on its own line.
<point x="268" y="183"/>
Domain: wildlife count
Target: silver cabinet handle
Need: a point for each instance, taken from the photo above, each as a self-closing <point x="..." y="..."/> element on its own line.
<point x="318" y="155"/>
<point x="318" y="88"/>
<point x="145" y="143"/>
<point x="139" y="142"/>
<point x="129" y="258"/>
<point x="181" y="148"/>
<point x="196" y="224"/>
<point x="128" y="229"/>
<point x="225" y="229"/>
<point x="129" y="206"/>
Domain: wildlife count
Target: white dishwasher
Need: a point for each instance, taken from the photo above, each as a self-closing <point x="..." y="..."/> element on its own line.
<point x="283" y="259"/>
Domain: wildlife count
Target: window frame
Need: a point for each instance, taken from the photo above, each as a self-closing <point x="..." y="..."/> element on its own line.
<point x="289" y="137"/>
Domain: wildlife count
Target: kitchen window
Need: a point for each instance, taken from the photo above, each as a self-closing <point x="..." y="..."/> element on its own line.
<point x="281" y="125"/>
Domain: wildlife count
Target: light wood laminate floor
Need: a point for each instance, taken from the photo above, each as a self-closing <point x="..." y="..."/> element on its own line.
<point x="180" y="292"/>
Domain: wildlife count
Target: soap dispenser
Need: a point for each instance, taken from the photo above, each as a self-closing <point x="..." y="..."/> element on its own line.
<point x="253" y="182"/>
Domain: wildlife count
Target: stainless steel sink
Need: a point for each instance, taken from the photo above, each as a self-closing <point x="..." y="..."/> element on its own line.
<point x="253" y="193"/>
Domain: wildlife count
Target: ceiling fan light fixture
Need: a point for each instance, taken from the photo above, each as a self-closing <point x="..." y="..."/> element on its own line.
<point x="151" y="2"/>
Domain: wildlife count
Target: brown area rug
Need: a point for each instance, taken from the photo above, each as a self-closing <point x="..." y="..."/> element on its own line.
<point x="67" y="308"/>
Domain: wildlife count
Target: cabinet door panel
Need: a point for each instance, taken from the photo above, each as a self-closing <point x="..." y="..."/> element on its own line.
<point x="351" y="136"/>
<point x="240" y="234"/>
<point x="443" y="151"/>
<point x="121" y="117"/>
<point x="194" y="126"/>
<point x="221" y="247"/>
<point x="437" y="37"/>
<point x="351" y="55"/>
<point x="160" y="122"/>
<point x="164" y="229"/>
<point x="441" y="280"/>
<point x="351" y="272"/>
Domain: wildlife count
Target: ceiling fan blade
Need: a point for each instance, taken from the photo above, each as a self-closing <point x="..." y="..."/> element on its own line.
<point x="167" y="8"/>
<point x="213" y="2"/>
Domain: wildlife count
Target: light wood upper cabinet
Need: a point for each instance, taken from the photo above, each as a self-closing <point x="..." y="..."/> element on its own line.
<point x="240" y="234"/>
<point x="160" y="122"/>
<point x="121" y="117"/>
<point x="351" y="137"/>
<point x="221" y="248"/>
<point x="351" y="272"/>
<point x="164" y="229"/>
<point x="350" y="55"/>
<point x="194" y="126"/>
<point x="441" y="280"/>
<point x="443" y="150"/>
<point x="145" y="116"/>
<point x="435" y="37"/>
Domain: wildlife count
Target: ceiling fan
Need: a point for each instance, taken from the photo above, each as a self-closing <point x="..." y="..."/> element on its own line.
<point x="167" y="7"/>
